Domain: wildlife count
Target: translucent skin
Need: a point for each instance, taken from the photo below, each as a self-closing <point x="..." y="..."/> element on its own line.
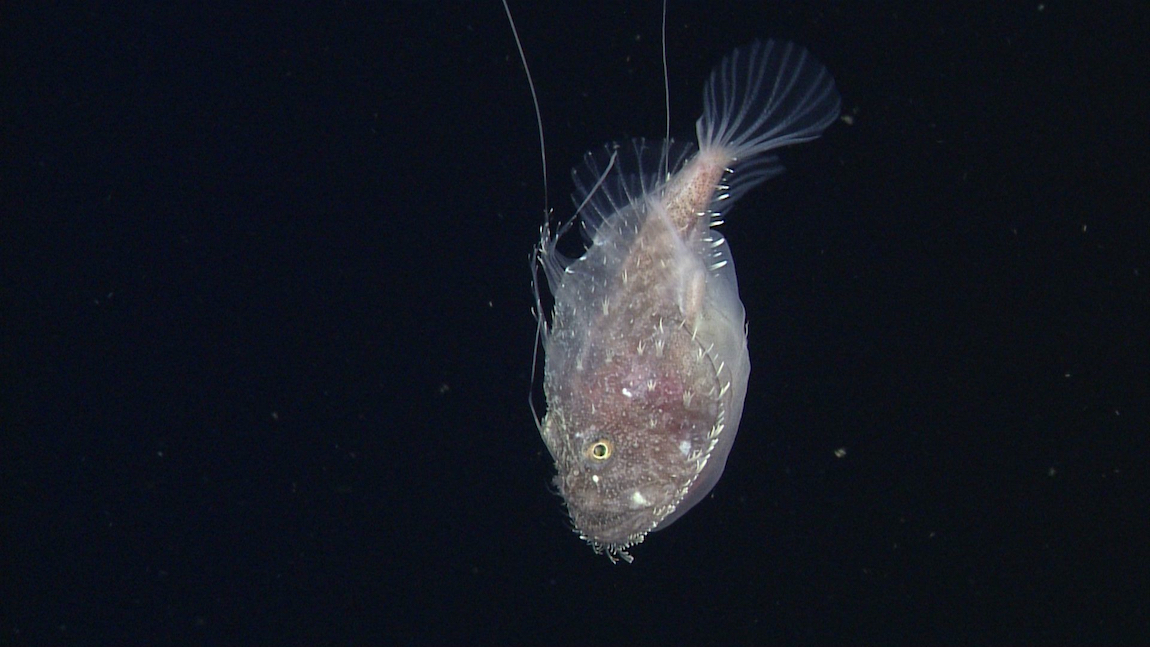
<point x="646" y="356"/>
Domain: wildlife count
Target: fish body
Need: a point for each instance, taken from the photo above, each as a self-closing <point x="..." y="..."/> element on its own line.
<point x="646" y="355"/>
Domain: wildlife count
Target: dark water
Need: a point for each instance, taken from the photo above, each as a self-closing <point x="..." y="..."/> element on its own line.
<point x="267" y="331"/>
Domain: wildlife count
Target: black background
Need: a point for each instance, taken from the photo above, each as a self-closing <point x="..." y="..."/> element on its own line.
<point x="267" y="332"/>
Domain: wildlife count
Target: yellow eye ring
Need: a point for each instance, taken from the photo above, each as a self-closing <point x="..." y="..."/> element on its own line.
<point x="600" y="450"/>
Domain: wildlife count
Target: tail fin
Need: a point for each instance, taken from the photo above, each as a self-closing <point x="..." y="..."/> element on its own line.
<point x="763" y="96"/>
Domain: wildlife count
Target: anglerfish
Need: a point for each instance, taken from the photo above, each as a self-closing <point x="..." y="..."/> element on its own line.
<point x="646" y="361"/>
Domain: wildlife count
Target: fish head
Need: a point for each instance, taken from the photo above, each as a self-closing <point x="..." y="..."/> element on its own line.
<point x="623" y="471"/>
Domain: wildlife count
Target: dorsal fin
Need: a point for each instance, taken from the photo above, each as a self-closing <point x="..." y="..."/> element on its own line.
<point x="638" y="170"/>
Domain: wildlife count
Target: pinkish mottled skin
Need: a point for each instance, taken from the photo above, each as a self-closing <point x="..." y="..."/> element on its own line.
<point x="646" y="355"/>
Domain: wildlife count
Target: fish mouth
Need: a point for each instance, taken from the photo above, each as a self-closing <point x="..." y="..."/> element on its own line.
<point x="619" y="528"/>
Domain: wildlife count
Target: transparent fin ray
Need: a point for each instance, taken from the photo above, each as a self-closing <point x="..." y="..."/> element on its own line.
<point x="763" y="96"/>
<point x="640" y="168"/>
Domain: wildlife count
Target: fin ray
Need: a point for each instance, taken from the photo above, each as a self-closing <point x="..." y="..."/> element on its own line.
<point x="763" y="96"/>
<point x="604" y="188"/>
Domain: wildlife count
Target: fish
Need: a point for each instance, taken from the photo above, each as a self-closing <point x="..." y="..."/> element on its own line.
<point x="645" y="349"/>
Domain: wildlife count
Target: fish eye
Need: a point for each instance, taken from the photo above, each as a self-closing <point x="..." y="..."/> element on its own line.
<point x="601" y="449"/>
